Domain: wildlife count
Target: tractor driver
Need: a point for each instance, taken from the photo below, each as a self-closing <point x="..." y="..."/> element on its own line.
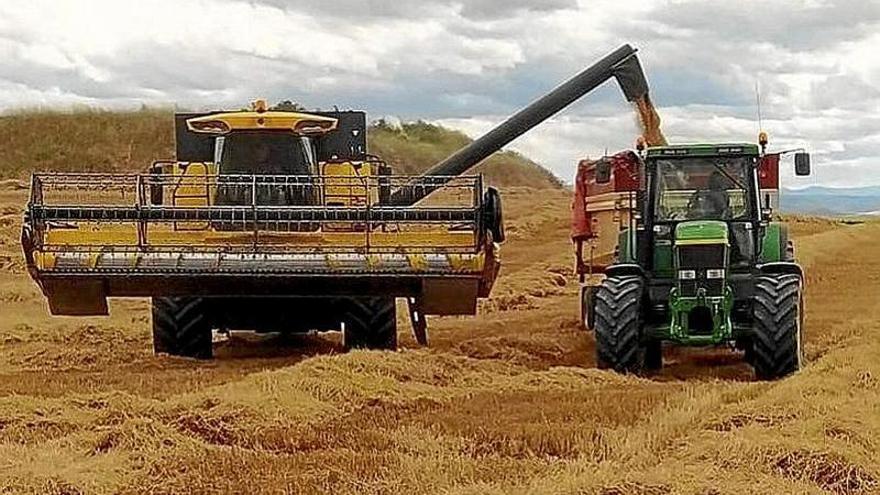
<point x="263" y="163"/>
<point x="713" y="202"/>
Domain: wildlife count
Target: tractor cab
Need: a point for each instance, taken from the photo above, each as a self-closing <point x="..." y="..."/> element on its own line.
<point x="699" y="260"/>
<point x="704" y="188"/>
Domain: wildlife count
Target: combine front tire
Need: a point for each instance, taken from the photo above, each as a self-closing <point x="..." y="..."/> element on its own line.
<point x="370" y="323"/>
<point x="777" y="345"/>
<point x="181" y="327"/>
<point x="618" y="323"/>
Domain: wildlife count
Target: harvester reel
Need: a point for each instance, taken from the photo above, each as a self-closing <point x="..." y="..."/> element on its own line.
<point x="493" y="216"/>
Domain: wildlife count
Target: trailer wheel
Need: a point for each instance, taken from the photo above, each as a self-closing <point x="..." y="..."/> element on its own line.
<point x="370" y="323"/>
<point x="181" y="327"/>
<point x="777" y="344"/>
<point x="588" y="307"/>
<point x="654" y="355"/>
<point x="618" y="324"/>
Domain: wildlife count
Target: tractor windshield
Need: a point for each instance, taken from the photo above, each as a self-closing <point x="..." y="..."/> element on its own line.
<point x="703" y="188"/>
<point x="266" y="153"/>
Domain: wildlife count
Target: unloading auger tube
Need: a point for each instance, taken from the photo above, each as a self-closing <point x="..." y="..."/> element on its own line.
<point x="622" y="64"/>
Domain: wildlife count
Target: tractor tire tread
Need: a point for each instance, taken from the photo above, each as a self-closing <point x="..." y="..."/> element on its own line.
<point x="776" y="346"/>
<point x="618" y="324"/>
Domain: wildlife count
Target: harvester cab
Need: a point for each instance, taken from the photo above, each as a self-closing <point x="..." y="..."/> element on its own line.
<point x="698" y="259"/>
<point x="282" y="221"/>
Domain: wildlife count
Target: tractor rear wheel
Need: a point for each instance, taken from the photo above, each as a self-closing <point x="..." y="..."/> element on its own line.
<point x="618" y="324"/>
<point x="181" y="327"/>
<point x="777" y="347"/>
<point x="370" y="323"/>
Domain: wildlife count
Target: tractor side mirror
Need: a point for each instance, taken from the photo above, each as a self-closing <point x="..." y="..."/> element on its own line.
<point x="802" y="164"/>
<point x="603" y="172"/>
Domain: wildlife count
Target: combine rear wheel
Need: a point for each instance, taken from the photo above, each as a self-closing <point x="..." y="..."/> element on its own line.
<point x="181" y="327"/>
<point x="777" y="345"/>
<point x="618" y="323"/>
<point x="370" y="323"/>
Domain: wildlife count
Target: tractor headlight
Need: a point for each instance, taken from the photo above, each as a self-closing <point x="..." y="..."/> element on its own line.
<point x="715" y="273"/>
<point x="687" y="274"/>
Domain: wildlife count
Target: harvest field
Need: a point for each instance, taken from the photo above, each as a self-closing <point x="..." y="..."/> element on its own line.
<point x="508" y="402"/>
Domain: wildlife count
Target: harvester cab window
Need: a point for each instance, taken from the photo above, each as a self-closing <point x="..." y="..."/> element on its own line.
<point x="266" y="153"/>
<point x="702" y="189"/>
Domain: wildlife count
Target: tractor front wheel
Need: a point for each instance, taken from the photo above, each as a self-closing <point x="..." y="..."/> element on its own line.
<point x="777" y="347"/>
<point x="618" y="322"/>
<point x="181" y="327"/>
<point x="370" y="323"/>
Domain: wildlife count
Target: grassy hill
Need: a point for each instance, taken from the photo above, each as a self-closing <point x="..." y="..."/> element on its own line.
<point x="101" y="141"/>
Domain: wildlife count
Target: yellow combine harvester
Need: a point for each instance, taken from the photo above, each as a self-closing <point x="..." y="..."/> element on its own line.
<point x="281" y="222"/>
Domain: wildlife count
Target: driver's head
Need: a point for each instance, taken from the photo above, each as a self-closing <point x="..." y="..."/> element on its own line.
<point x="261" y="152"/>
<point x="717" y="182"/>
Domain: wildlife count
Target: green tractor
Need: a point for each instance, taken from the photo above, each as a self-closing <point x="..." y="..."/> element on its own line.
<point x="701" y="263"/>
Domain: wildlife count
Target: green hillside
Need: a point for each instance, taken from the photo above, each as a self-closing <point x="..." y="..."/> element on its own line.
<point x="103" y="141"/>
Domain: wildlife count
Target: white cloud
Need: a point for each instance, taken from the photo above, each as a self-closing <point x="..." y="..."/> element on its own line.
<point x="469" y="64"/>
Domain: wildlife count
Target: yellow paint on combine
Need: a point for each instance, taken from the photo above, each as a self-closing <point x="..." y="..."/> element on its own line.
<point x="300" y="123"/>
<point x="341" y="187"/>
<point x="126" y="235"/>
<point x="418" y="262"/>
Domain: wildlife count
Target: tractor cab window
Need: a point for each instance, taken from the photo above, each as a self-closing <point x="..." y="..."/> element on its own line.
<point x="703" y="188"/>
<point x="266" y="153"/>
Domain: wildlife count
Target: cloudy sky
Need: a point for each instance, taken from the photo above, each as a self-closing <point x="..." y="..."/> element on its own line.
<point x="469" y="64"/>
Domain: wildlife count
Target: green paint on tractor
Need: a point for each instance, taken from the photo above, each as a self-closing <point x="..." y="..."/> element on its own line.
<point x="700" y="232"/>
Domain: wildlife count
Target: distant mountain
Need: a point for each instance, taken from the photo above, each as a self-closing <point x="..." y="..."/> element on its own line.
<point x="818" y="200"/>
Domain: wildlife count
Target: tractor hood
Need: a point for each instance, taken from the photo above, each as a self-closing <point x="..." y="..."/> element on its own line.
<point x="701" y="232"/>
